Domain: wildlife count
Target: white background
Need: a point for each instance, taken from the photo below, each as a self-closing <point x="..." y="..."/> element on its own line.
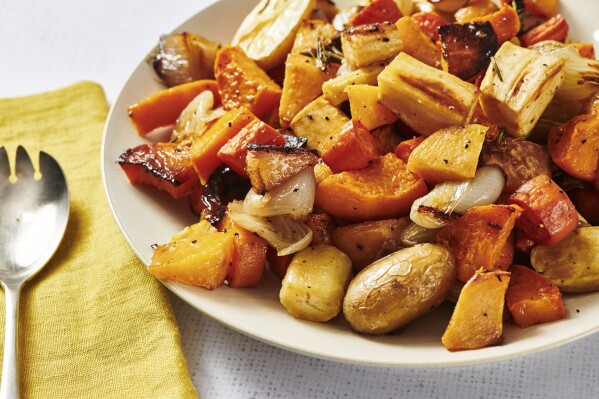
<point x="45" y="45"/>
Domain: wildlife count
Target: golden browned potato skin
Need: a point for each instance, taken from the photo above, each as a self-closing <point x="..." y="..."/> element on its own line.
<point x="397" y="289"/>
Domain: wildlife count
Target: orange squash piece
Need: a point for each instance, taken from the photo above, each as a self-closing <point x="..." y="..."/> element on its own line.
<point x="204" y="151"/>
<point x="548" y="214"/>
<point x="234" y="152"/>
<point x="533" y="299"/>
<point x="351" y="148"/>
<point x="383" y="190"/>
<point x="278" y="264"/>
<point x="242" y="83"/>
<point x="478" y="238"/>
<point x="249" y="255"/>
<point x="163" y="108"/>
<point x="505" y="22"/>
<point x="377" y="11"/>
<point x="405" y="148"/>
<point x="166" y="166"/>
<point x="429" y="23"/>
<point x="586" y="50"/>
<point x="574" y="146"/>
<point x="477" y="320"/>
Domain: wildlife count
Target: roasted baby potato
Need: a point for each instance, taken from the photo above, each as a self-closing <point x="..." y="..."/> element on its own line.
<point x="315" y="283"/>
<point x="395" y="290"/>
<point x="573" y="263"/>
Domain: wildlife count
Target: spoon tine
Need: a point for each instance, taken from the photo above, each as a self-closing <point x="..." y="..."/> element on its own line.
<point x="4" y="165"/>
<point x="23" y="165"/>
<point x="50" y="169"/>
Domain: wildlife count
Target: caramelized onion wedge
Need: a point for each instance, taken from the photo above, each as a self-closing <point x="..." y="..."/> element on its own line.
<point x="283" y="233"/>
<point x="434" y="209"/>
<point x="295" y="197"/>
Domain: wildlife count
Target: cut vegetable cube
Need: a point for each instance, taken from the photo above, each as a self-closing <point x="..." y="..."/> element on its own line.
<point x="477" y="320"/>
<point x="425" y="98"/>
<point x="449" y="154"/>
<point x="518" y="86"/>
<point x="365" y="108"/>
<point x="377" y="11"/>
<point x="417" y="44"/>
<point x="351" y="148"/>
<point x="334" y="89"/>
<point x="370" y="44"/>
<point x="317" y="121"/>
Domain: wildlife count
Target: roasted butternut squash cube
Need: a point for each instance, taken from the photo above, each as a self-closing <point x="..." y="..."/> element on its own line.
<point x="477" y="320"/>
<point x="505" y="22"/>
<point x="243" y="84"/>
<point x="518" y="86"/>
<point x="351" y="148"/>
<point x="249" y="256"/>
<point x="317" y="121"/>
<point x="234" y="152"/>
<point x="533" y="299"/>
<point x="477" y="239"/>
<point x="365" y="107"/>
<point x="163" y="108"/>
<point x="423" y="97"/>
<point x="204" y="151"/>
<point x="270" y="166"/>
<point x="198" y="256"/>
<point x="383" y="190"/>
<point x="549" y="216"/>
<point x="448" y="154"/>
<point x="166" y="166"/>
<point x="370" y="44"/>
<point x="369" y="241"/>
<point x="417" y="44"/>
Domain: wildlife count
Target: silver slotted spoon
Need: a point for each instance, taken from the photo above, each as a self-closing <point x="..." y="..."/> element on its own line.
<point x="33" y="219"/>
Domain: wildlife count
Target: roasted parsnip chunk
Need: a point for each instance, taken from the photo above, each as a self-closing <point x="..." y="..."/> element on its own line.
<point x="369" y="44"/>
<point x="518" y="86"/>
<point x="271" y="166"/>
<point x="334" y="89"/>
<point x="317" y="121"/>
<point x="425" y="98"/>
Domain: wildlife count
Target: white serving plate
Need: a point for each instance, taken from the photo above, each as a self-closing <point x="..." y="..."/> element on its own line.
<point x="146" y="216"/>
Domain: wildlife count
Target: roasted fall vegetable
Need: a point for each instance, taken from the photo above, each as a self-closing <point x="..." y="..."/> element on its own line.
<point x="370" y="44"/>
<point x="377" y="11"/>
<point x="532" y="299"/>
<point x="317" y="120"/>
<point x="416" y="43"/>
<point x="184" y="57"/>
<point x="395" y="290"/>
<point x="548" y="214"/>
<point x="467" y="48"/>
<point x="505" y="22"/>
<point x="477" y="239"/>
<point x="222" y="187"/>
<point x="351" y="148"/>
<point x="166" y="166"/>
<point x="555" y="28"/>
<point x="365" y="108"/>
<point x="383" y="190"/>
<point x="163" y="108"/>
<point x="477" y="320"/>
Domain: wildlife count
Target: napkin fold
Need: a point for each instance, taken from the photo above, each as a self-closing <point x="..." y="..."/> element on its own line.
<point x="93" y="322"/>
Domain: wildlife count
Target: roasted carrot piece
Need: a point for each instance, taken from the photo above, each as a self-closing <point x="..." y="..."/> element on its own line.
<point x="478" y="238"/>
<point x="405" y="148"/>
<point x="163" y="108"/>
<point x="586" y="50"/>
<point x="574" y="146"/>
<point x="204" y="150"/>
<point x="549" y="215"/>
<point x="429" y="23"/>
<point x="322" y="226"/>
<point x="234" y="152"/>
<point x="533" y="299"/>
<point x="166" y="166"/>
<point x="242" y="83"/>
<point x="505" y="22"/>
<point x="349" y="149"/>
<point x="383" y="190"/>
<point x="555" y="28"/>
<point x="249" y="255"/>
<point x="377" y="11"/>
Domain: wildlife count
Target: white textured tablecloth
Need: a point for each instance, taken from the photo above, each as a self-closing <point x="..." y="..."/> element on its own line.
<point x="45" y="45"/>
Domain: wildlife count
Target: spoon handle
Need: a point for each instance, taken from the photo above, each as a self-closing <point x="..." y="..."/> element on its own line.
<point x="9" y="386"/>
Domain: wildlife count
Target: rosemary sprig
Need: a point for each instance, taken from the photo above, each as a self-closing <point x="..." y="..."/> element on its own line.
<point x="323" y="55"/>
<point x="496" y="68"/>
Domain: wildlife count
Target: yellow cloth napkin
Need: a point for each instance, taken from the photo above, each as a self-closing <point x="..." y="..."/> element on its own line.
<point x="93" y="322"/>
